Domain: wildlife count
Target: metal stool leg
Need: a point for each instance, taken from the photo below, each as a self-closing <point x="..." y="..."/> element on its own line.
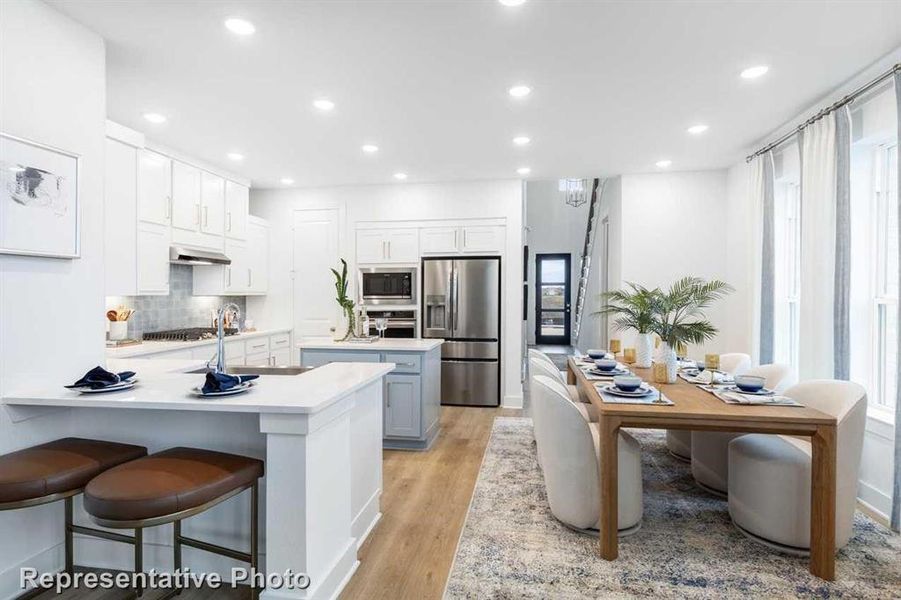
<point x="176" y="548"/>
<point x="139" y="559"/>
<point x="70" y="567"/>
<point x="254" y="535"/>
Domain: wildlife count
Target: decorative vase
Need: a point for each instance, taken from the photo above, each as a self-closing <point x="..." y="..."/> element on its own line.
<point x="644" y="347"/>
<point x="667" y="356"/>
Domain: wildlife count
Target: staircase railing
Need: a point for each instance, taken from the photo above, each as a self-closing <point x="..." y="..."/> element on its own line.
<point x="597" y="190"/>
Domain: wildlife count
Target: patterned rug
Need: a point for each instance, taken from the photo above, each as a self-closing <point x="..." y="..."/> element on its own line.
<point x="512" y="547"/>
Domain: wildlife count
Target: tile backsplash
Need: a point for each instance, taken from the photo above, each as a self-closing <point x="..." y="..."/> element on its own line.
<point x="179" y="309"/>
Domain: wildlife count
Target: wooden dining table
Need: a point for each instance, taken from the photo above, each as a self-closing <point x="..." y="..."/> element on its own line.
<point x="698" y="410"/>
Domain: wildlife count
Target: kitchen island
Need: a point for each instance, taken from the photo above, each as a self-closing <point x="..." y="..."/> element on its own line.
<point x="319" y="433"/>
<point x="412" y="398"/>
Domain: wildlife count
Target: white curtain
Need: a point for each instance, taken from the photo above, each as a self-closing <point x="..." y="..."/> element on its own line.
<point x="818" y="222"/>
<point x="761" y="190"/>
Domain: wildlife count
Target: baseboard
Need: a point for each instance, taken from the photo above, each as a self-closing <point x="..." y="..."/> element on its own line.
<point x="512" y="401"/>
<point x="338" y="575"/>
<point x="874" y="501"/>
<point x="366" y="518"/>
<point x="49" y="560"/>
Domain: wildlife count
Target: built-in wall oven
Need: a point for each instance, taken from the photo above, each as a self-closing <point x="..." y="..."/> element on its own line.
<point x="400" y="323"/>
<point x="388" y="285"/>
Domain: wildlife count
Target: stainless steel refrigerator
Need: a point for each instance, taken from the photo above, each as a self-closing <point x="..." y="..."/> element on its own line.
<point x="461" y="302"/>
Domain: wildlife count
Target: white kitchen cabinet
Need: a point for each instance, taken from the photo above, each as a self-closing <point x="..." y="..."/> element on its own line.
<point x="236" y="279"/>
<point x="258" y="359"/>
<point x="237" y="203"/>
<point x="154" y="187"/>
<point x="120" y="205"/>
<point x="281" y="358"/>
<point x="212" y="204"/>
<point x="387" y="246"/>
<point x="257" y="256"/>
<point x="439" y="240"/>
<point x="152" y="259"/>
<point x="488" y="239"/>
<point x="186" y="185"/>
<point x="248" y="273"/>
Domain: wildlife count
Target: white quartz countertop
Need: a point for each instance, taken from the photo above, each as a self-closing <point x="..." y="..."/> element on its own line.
<point x="166" y="385"/>
<point x="384" y="345"/>
<point x="145" y="348"/>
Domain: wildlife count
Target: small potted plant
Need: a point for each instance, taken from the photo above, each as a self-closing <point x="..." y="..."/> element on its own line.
<point x="680" y="319"/>
<point x="633" y="308"/>
<point x="346" y="304"/>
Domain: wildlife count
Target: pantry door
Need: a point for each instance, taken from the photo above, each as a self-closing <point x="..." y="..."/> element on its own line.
<point x="315" y="252"/>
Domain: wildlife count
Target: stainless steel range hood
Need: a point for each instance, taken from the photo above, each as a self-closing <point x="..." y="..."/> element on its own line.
<point x="182" y="255"/>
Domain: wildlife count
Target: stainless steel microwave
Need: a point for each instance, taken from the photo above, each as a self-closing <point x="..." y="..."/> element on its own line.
<point x="388" y="286"/>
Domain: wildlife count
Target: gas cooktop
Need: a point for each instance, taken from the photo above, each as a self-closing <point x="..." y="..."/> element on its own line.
<point x="188" y="334"/>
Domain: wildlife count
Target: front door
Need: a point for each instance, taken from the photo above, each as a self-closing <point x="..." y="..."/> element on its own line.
<point x="552" y="299"/>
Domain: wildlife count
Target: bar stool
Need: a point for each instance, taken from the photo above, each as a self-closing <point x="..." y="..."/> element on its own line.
<point x="56" y="471"/>
<point x="170" y="486"/>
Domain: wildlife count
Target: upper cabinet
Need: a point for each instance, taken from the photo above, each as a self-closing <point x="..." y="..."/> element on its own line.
<point x="387" y="246"/>
<point x="154" y="187"/>
<point x="471" y="239"/>
<point x="198" y="207"/>
<point x="212" y="204"/>
<point x="248" y="273"/>
<point x="258" y="255"/>
<point x="185" y="197"/>
<point x="439" y="240"/>
<point x="237" y="202"/>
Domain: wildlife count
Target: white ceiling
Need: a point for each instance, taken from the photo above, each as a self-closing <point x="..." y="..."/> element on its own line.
<point x="615" y="84"/>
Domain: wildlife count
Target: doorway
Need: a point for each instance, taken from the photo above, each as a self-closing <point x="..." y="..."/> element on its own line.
<point x="552" y="299"/>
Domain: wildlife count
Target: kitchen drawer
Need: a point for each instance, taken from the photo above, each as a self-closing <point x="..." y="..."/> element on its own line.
<point x="315" y="358"/>
<point x="259" y="359"/>
<point x="256" y="345"/>
<point x="279" y="341"/>
<point x="406" y="363"/>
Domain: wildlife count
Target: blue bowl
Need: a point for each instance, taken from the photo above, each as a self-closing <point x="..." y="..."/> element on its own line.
<point x="597" y="354"/>
<point x="605" y="364"/>
<point x="627" y="383"/>
<point x="749" y="383"/>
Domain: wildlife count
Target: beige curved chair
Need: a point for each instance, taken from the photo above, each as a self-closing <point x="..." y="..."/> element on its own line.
<point x="678" y="441"/>
<point x="710" y="449"/>
<point x="541" y="364"/>
<point x="568" y="448"/>
<point x="769" y="475"/>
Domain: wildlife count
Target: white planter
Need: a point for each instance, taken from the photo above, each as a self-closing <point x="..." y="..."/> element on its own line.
<point x="644" y="350"/>
<point x="667" y="355"/>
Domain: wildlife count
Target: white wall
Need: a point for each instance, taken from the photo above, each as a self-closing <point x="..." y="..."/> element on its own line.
<point x="52" y="90"/>
<point x="396" y="203"/>
<point x="554" y="227"/>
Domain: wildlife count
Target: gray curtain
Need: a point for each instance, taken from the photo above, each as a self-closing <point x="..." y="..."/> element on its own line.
<point x="896" y="496"/>
<point x="768" y="264"/>
<point x="841" y="340"/>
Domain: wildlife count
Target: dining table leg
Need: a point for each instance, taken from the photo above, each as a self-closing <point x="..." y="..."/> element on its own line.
<point x="822" y="502"/>
<point x="609" y="485"/>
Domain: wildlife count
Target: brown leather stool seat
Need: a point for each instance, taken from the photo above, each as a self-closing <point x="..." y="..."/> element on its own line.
<point x="59" y="467"/>
<point x="168" y="483"/>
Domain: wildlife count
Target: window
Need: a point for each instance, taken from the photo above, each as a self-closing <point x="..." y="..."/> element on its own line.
<point x="885" y="276"/>
<point x="787" y="254"/>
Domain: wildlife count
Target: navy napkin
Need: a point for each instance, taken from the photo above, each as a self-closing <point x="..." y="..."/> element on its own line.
<point x="221" y="382"/>
<point x="98" y="378"/>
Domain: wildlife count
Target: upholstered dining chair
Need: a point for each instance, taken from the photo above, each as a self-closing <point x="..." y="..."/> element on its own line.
<point x="710" y="449"/>
<point x="568" y="447"/>
<point x="769" y="475"/>
<point x="543" y="365"/>
<point x="678" y="441"/>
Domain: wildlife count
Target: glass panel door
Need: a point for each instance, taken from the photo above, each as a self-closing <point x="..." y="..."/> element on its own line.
<point x="552" y="298"/>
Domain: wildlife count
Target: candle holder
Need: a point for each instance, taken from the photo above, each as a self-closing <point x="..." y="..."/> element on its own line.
<point x="659" y="373"/>
<point x="629" y="355"/>
<point x="712" y="361"/>
<point x="615" y="346"/>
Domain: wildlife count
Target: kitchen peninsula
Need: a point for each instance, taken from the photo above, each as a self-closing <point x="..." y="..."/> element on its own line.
<point x="412" y="402"/>
<point x="319" y="432"/>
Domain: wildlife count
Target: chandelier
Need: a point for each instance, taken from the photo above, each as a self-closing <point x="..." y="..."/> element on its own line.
<point x="575" y="191"/>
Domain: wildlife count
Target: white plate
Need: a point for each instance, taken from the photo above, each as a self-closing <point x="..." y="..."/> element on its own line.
<point x="738" y="390"/>
<point x="641" y="392"/>
<point x="122" y="385"/>
<point x="238" y="389"/>
<point x="612" y="373"/>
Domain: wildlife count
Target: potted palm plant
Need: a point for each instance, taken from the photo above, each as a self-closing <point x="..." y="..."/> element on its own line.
<point x="346" y="304"/>
<point x="633" y="308"/>
<point x="680" y="319"/>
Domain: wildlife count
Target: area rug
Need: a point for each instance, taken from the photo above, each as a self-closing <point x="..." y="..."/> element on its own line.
<point x="512" y="547"/>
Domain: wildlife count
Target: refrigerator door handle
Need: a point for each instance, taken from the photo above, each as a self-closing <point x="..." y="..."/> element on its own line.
<point x="450" y="299"/>
<point x="455" y="293"/>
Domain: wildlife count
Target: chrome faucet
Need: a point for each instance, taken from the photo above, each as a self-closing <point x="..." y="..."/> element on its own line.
<point x="220" y="333"/>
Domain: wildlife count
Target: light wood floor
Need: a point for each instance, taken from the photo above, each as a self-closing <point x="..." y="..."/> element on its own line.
<point x="424" y="503"/>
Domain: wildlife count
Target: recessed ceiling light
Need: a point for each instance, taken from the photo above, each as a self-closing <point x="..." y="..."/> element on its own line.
<point x="400" y="176"/>
<point x="663" y="163"/>
<point x="512" y="2"/>
<point x="370" y="148"/>
<point x="521" y="140"/>
<point x="754" y="72"/>
<point x="235" y="156"/>
<point x="524" y="170"/>
<point x="240" y="26"/>
<point x="287" y="181"/>
<point x="155" y="118"/>
<point x="520" y="91"/>
<point x="697" y="129"/>
<point x="324" y="104"/>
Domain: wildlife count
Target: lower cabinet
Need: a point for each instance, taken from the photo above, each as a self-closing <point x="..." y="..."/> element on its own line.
<point x="258" y="351"/>
<point x="402" y="403"/>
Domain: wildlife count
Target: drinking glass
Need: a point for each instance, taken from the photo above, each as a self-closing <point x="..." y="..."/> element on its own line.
<point x="381" y="325"/>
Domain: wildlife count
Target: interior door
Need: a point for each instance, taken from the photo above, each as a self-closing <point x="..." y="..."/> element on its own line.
<point x="315" y="252"/>
<point x="552" y="299"/>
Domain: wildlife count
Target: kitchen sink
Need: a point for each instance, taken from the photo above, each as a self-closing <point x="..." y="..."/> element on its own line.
<point x="242" y="370"/>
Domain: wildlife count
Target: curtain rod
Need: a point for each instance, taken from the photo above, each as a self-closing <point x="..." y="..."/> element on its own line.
<point x="847" y="99"/>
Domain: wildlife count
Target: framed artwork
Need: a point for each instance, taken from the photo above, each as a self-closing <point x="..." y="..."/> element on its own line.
<point x="39" y="204"/>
